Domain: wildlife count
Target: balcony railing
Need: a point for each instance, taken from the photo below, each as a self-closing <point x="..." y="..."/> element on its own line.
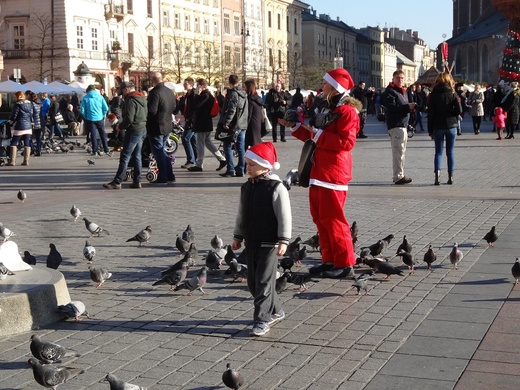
<point x="16" y="53"/>
<point x="116" y="11"/>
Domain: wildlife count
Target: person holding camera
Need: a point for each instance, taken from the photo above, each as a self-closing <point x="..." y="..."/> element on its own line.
<point x="397" y="116"/>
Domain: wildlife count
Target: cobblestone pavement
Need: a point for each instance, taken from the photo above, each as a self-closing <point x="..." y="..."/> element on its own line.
<point x="424" y="330"/>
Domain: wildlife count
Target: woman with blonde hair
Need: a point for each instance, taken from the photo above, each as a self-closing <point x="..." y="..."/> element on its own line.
<point x="476" y="99"/>
<point x="23" y="116"/>
<point x="443" y="111"/>
<point x="510" y="104"/>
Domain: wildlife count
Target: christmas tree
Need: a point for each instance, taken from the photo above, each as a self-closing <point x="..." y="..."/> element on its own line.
<point x="510" y="69"/>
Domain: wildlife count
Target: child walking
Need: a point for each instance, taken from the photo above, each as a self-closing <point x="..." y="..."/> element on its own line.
<point x="500" y="121"/>
<point x="264" y="222"/>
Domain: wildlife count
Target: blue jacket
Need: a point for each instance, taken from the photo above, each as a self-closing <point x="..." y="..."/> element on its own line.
<point x="24" y="115"/>
<point x="94" y="107"/>
<point x="45" y="107"/>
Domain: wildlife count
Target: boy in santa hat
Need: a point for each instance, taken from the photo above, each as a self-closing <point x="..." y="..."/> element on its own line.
<point x="264" y="222"/>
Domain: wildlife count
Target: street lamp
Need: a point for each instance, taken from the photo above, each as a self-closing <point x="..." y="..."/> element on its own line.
<point x="245" y="33"/>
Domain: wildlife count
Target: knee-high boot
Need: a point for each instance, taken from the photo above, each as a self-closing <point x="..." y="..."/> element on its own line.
<point x="437" y="175"/>
<point x="26" y="155"/>
<point x="12" y="156"/>
<point x="450" y="178"/>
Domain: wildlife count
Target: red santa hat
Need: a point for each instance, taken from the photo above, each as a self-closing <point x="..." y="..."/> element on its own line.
<point x="340" y="79"/>
<point x="264" y="154"/>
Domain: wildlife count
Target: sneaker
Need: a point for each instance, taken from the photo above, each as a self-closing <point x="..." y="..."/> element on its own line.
<point x="276" y="317"/>
<point x="223" y="163"/>
<point x="187" y="165"/>
<point x="108" y="154"/>
<point x="112" y="186"/>
<point x="195" y="168"/>
<point x="95" y="154"/>
<point x="260" y="328"/>
<point x="318" y="269"/>
<point x="228" y="174"/>
<point x="403" y="180"/>
<point x="336" y="273"/>
<point x="135" y="184"/>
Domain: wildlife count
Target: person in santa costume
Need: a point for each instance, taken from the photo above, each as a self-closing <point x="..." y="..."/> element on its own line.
<point x="264" y="222"/>
<point x="334" y="130"/>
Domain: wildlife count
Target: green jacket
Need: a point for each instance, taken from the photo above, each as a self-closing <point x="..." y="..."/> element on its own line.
<point x="135" y="111"/>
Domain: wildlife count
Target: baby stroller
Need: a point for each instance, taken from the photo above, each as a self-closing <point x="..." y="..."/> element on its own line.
<point x="148" y="161"/>
<point x="5" y="141"/>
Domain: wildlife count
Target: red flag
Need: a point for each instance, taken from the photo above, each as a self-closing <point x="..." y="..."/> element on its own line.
<point x="444" y="51"/>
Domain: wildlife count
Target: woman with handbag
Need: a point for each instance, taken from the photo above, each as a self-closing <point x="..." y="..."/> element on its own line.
<point x="334" y="131"/>
<point x="54" y="118"/>
<point x="23" y="116"/>
<point x="256" y="117"/>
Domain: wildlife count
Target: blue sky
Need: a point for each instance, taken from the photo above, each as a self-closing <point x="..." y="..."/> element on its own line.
<point x="430" y="19"/>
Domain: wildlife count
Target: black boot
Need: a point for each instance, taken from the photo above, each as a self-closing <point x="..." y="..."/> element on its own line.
<point x="437" y="174"/>
<point x="450" y="178"/>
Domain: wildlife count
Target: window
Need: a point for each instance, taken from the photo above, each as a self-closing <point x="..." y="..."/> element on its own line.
<point x="236" y="25"/>
<point x="95" y="42"/>
<point x="215" y="3"/>
<point x="279" y="58"/>
<point x="288" y="24"/>
<point x="196" y="24"/>
<point x="19" y="37"/>
<point x="238" y="55"/>
<point x="79" y="37"/>
<point x="227" y="27"/>
<point x="206" y="26"/>
<point x="149" y="8"/>
<point x="130" y="6"/>
<point x="188" y="54"/>
<point x="279" y="21"/>
<point x="269" y="21"/>
<point x="205" y="2"/>
<point x="150" y="46"/>
<point x="296" y="26"/>
<point x="215" y="28"/>
<point x="227" y="55"/>
<point x="177" y="21"/>
<point x="130" y="43"/>
<point x="167" y="53"/>
<point x="197" y="56"/>
<point x="166" y="18"/>
<point x="187" y="23"/>
<point x="271" y="59"/>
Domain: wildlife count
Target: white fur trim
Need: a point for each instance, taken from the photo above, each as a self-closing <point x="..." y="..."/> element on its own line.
<point x="337" y="86"/>
<point x="257" y="159"/>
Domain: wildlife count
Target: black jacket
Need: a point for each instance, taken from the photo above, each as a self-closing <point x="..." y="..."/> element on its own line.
<point x="254" y="128"/>
<point x="161" y="106"/>
<point x="235" y="112"/>
<point x="443" y="108"/>
<point x="397" y="111"/>
<point x="201" y="119"/>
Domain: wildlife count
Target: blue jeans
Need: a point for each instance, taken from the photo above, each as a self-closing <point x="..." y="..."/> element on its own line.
<point x="164" y="163"/>
<point x="239" y="147"/>
<point x="95" y="128"/>
<point x="58" y="129"/>
<point x="438" y="136"/>
<point x="132" y="147"/>
<point x="26" y="138"/>
<point x="189" y="142"/>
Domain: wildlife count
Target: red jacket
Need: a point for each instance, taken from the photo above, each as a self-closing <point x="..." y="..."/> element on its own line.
<point x="332" y="167"/>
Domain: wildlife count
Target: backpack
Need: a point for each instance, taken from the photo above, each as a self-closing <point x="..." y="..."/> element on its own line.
<point x="215" y="109"/>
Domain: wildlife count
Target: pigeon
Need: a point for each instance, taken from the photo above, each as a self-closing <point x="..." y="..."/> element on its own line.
<point x="174" y="278"/>
<point x="294" y="246"/>
<point x="302" y="254"/>
<point x="28" y="258"/>
<point x="54" y="258"/>
<point x="94" y="228"/>
<point x="192" y="254"/>
<point x="290" y="179"/>
<point x="386" y="241"/>
<point x="375" y="249"/>
<point x="216" y="242"/>
<point x="4" y="271"/>
<point x="364" y="253"/>
<point x="21" y="196"/>
<point x="50" y="376"/>
<point x="361" y="282"/>
<point x="313" y="242"/>
<point x="194" y="283"/>
<point x="117" y="384"/>
<point x="238" y="270"/>
<point x="281" y="282"/>
<point x="300" y="279"/>
<point x="178" y="265"/>
<point x="49" y="352"/>
<point x="407" y="259"/>
<point x="5" y="232"/>
<point x="229" y="255"/>
<point x="213" y="261"/>
<point x="74" y="309"/>
<point x="388" y="269"/>
<point x="91" y="162"/>
<point x="491" y="237"/>
<point x="89" y="252"/>
<point x="456" y="256"/>
<point x="429" y="258"/>
<point x="99" y="275"/>
<point x="143" y="236"/>
<point x="75" y="212"/>
<point x="182" y="245"/>
<point x="354" y="230"/>
<point x="286" y="263"/>
<point x="232" y="378"/>
<point x="188" y="235"/>
<point x="404" y="246"/>
<point x="516" y="270"/>
<point x="372" y="262"/>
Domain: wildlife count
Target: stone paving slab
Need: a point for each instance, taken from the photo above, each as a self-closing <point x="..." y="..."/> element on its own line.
<point x="331" y="338"/>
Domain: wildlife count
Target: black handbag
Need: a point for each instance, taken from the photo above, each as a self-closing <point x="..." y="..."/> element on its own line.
<point x="306" y="161"/>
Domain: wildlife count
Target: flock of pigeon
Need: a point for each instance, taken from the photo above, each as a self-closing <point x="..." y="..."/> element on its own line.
<point x="220" y="256"/>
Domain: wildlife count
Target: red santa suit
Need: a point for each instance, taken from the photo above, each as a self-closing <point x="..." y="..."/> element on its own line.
<point x="330" y="175"/>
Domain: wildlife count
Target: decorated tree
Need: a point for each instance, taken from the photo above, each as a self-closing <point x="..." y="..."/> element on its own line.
<point x="510" y="69"/>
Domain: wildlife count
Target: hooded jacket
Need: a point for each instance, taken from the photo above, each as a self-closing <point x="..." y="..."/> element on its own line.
<point x="443" y="108"/>
<point x="94" y="107"/>
<point x="135" y="111"/>
<point x="235" y="112"/>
